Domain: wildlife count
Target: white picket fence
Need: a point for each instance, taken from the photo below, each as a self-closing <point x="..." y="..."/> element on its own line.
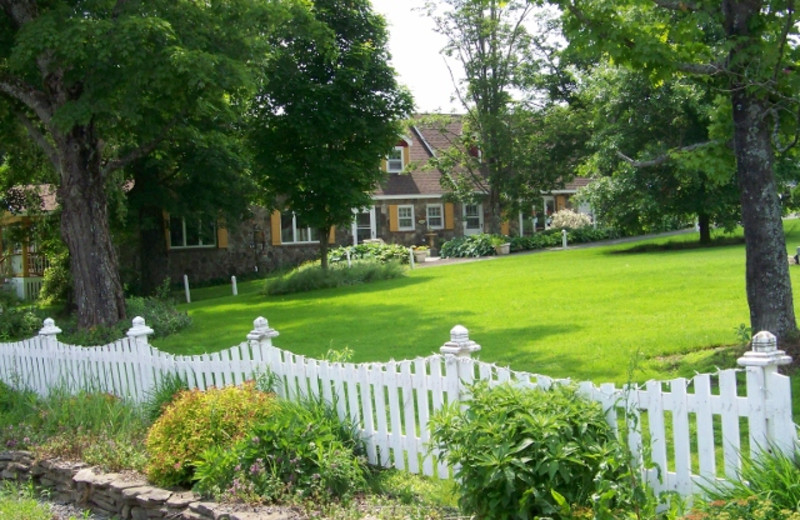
<point x="683" y="432"/>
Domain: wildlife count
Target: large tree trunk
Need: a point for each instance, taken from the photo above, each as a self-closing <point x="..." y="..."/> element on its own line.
<point x="153" y="255"/>
<point x="769" y="288"/>
<point x="85" y="230"/>
<point x="704" y="225"/>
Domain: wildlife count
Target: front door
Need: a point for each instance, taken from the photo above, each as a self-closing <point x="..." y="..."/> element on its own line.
<point x="363" y="225"/>
<point x="473" y="219"/>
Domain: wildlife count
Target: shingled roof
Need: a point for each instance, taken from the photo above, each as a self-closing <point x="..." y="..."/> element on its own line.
<point x="429" y="135"/>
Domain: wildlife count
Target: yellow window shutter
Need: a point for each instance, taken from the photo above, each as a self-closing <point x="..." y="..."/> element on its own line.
<point x="165" y="223"/>
<point x="332" y="235"/>
<point x="222" y="237"/>
<point x="275" y="227"/>
<point x="393" y="217"/>
<point x="505" y="227"/>
<point x="449" y="223"/>
<point x="406" y="155"/>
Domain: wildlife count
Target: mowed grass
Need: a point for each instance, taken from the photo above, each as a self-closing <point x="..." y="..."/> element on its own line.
<point x="584" y="313"/>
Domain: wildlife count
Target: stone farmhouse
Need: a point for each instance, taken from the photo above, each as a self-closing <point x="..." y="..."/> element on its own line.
<point x="410" y="207"/>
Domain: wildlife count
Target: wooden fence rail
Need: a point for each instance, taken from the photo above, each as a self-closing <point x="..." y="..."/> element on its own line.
<point x="682" y="432"/>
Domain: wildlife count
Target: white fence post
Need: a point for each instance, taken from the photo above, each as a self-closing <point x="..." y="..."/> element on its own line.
<point x="769" y="396"/>
<point x="139" y="331"/>
<point x="260" y="339"/>
<point x="458" y="356"/>
<point x="50" y="372"/>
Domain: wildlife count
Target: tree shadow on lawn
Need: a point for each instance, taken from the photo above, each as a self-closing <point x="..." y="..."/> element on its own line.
<point x="398" y="331"/>
<point x="677" y="245"/>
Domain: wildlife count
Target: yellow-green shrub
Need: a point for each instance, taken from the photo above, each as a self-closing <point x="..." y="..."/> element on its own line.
<point x="197" y="420"/>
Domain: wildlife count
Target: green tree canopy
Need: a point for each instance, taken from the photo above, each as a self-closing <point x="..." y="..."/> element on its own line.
<point x="746" y="50"/>
<point x="100" y="84"/>
<point x="329" y="114"/>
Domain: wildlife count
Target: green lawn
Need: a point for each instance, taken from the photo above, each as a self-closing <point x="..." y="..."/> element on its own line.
<point x="581" y="313"/>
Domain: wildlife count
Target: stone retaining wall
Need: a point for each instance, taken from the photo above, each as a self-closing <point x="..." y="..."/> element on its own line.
<point x="123" y="496"/>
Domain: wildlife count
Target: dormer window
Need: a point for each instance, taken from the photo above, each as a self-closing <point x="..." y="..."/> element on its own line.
<point x="394" y="161"/>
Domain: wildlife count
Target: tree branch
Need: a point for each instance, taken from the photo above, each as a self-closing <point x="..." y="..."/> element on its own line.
<point x="140" y="151"/>
<point x="29" y="96"/>
<point x="18" y="11"/>
<point x="677" y="5"/>
<point x="40" y="139"/>
<point x="658" y="161"/>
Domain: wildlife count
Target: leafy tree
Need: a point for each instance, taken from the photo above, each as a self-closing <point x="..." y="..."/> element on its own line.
<point x="99" y="84"/>
<point x="329" y="114"/>
<point x="746" y="50"/>
<point x="653" y="140"/>
<point x="496" y="152"/>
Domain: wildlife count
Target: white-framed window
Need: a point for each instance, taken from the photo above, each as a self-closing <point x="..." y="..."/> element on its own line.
<point x="394" y="161"/>
<point x="435" y="216"/>
<point x="192" y="233"/>
<point x="295" y="231"/>
<point x="405" y="218"/>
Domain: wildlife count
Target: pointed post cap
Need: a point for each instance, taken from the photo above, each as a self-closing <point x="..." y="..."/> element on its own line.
<point x="459" y="344"/>
<point x="139" y="328"/>
<point x="764" y="352"/>
<point x="261" y="330"/>
<point x="49" y="328"/>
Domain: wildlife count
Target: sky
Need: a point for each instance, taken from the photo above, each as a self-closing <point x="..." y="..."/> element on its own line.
<point x="415" y="46"/>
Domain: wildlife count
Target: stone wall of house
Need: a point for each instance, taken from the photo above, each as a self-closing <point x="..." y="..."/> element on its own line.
<point x="420" y="234"/>
<point x="123" y="496"/>
<point x="249" y="251"/>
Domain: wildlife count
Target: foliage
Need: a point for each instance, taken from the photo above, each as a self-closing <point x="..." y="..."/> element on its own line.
<point x="552" y="238"/>
<point x="652" y="146"/>
<point x="523" y="453"/>
<point x="471" y="246"/>
<point x="95" y="427"/>
<point x="304" y="450"/>
<point x="382" y="253"/>
<point x="139" y="74"/>
<point x="19" y="502"/>
<point x="160" y="315"/>
<point x="497" y="147"/>
<point x="569" y="219"/>
<point x="767" y="488"/>
<point x="57" y="280"/>
<point x="745" y="55"/>
<point x="197" y="420"/>
<point x="17" y="319"/>
<point x="326" y="68"/>
<point x="313" y="277"/>
<point x="168" y="387"/>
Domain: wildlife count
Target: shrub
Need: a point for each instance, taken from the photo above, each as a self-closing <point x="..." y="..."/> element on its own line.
<point x="569" y="219"/>
<point x="17" y="320"/>
<point x="523" y="453"/>
<point x="159" y="314"/>
<point x="383" y="253"/>
<point x="303" y="451"/>
<point x="768" y="488"/>
<point x="471" y="246"/>
<point x="313" y="277"/>
<point x="165" y="391"/>
<point x="197" y="420"/>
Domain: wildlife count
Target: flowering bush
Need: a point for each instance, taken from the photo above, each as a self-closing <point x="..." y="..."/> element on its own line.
<point x="303" y="450"/>
<point x="197" y="420"/>
<point x="568" y="219"/>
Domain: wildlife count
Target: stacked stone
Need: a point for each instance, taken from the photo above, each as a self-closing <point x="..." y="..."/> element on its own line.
<point x="120" y="496"/>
